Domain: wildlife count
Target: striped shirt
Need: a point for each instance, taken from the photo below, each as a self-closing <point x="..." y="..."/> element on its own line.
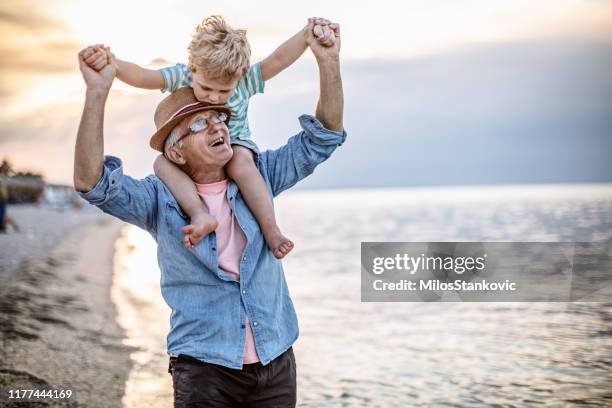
<point x="252" y="83"/>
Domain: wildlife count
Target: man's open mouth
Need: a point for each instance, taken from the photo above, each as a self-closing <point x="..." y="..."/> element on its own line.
<point x="218" y="141"/>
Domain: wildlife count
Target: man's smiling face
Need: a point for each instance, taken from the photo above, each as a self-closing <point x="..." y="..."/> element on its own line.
<point x="205" y="140"/>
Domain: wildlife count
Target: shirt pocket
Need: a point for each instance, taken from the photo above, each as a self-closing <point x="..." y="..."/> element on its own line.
<point x="175" y="219"/>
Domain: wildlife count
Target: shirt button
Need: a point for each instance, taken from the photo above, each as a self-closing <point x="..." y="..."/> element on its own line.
<point x="244" y="258"/>
<point x="242" y="326"/>
<point x="254" y="323"/>
<point x="244" y="292"/>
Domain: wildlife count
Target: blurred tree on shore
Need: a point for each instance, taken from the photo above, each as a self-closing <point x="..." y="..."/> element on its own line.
<point x="6" y="168"/>
<point x="23" y="186"/>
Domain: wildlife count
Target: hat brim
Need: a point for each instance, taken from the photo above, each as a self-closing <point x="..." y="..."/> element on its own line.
<point x="159" y="138"/>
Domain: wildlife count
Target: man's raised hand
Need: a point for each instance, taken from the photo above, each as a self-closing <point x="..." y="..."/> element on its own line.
<point x="96" y="79"/>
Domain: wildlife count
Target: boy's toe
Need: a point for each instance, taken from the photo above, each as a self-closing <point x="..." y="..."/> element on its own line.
<point x="283" y="249"/>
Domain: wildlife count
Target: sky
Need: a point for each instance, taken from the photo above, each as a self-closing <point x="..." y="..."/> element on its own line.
<point x="436" y="92"/>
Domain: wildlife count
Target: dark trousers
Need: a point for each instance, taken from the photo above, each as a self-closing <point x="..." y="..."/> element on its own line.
<point x="199" y="384"/>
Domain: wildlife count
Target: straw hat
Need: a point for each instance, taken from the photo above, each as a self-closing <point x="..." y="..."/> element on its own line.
<point x="174" y="108"/>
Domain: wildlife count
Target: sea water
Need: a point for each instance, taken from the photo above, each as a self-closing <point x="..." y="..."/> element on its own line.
<point x="353" y="354"/>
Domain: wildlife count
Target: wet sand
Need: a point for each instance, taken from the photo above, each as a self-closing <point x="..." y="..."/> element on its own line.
<point x="58" y="327"/>
<point x="42" y="227"/>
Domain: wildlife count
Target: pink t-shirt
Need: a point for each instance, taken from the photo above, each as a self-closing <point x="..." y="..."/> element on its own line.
<point x="230" y="244"/>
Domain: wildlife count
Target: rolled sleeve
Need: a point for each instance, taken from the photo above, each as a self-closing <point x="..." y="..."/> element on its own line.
<point x="133" y="201"/>
<point x="297" y="159"/>
<point x="316" y="132"/>
<point x="108" y="183"/>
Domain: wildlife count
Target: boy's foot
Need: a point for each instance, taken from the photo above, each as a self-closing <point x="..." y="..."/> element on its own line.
<point x="283" y="249"/>
<point x="201" y="226"/>
<point x="279" y="244"/>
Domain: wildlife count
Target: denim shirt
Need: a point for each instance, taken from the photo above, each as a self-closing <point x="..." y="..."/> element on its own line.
<point x="210" y="308"/>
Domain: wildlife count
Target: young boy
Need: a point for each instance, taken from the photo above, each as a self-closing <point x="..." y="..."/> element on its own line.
<point x="219" y="72"/>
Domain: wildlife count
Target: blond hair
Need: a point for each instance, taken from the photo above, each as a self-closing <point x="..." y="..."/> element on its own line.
<point x="218" y="50"/>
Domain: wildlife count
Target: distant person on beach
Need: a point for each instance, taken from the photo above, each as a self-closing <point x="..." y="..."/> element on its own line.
<point x="233" y="323"/>
<point x="5" y="220"/>
<point x="220" y="73"/>
<point x="4" y="195"/>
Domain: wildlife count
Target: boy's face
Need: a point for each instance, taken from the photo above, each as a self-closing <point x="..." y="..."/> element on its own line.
<point x="215" y="91"/>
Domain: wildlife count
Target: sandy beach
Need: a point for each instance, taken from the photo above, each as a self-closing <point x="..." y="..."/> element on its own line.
<point x="42" y="227"/>
<point x="58" y="325"/>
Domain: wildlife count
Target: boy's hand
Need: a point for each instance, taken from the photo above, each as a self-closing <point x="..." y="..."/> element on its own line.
<point x="111" y="58"/>
<point x="95" y="56"/>
<point x="323" y="31"/>
<point x="324" y="35"/>
<point x="96" y="80"/>
<point x="326" y="48"/>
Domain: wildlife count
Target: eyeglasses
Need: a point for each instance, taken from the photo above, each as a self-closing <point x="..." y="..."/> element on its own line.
<point x="201" y="125"/>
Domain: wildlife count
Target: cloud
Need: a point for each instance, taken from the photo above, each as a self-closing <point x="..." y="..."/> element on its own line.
<point x="521" y="112"/>
<point x="35" y="48"/>
<point x="163" y="62"/>
<point x="20" y="16"/>
<point x="44" y="141"/>
<point x="33" y="42"/>
<point x="45" y="58"/>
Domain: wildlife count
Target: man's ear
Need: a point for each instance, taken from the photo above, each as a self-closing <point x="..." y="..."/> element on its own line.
<point x="175" y="155"/>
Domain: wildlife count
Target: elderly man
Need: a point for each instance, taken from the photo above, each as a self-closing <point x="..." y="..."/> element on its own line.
<point x="233" y="322"/>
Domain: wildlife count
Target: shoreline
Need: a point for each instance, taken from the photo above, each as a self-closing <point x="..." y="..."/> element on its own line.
<point x="58" y="323"/>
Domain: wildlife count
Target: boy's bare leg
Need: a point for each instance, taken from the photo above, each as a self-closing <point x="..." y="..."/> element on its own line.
<point x="183" y="189"/>
<point x="253" y="187"/>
